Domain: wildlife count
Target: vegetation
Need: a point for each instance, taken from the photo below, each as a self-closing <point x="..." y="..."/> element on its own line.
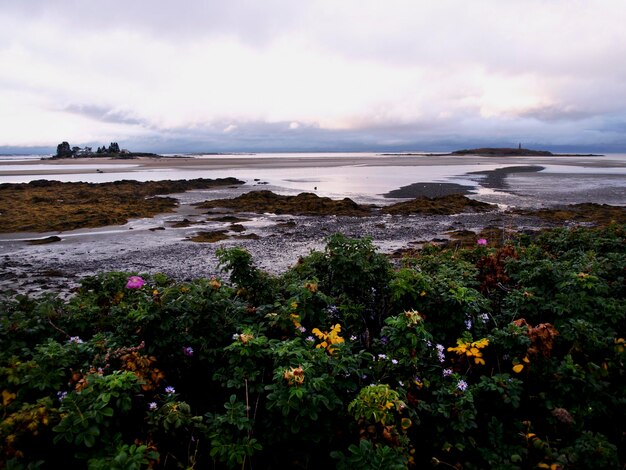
<point x="500" y="356"/>
<point x="64" y="150"/>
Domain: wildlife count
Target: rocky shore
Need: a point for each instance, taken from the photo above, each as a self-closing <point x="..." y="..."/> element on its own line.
<point x="53" y="239"/>
<point x="276" y="230"/>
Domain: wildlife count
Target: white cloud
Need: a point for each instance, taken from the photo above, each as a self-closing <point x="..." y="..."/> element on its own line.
<point x="439" y="68"/>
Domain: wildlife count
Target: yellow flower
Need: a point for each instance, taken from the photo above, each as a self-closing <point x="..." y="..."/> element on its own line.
<point x="471" y="349"/>
<point x="329" y="339"/>
<point x="311" y="287"/>
<point x="7" y="397"/>
<point x="619" y="345"/>
<point x="517" y="367"/>
<point x="294" y="305"/>
<point x="295" y="318"/>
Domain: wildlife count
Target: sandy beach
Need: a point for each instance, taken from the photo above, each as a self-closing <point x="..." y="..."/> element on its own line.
<point x="287" y="160"/>
<point x="160" y="244"/>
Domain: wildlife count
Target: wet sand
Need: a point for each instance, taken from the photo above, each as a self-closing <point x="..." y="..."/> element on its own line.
<point x="159" y="245"/>
<point x="225" y="162"/>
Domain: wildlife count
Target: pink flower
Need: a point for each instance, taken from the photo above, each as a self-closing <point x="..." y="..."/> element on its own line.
<point x="188" y="351"/>
<point x="481" y="241"/>
<point x="135" y="282"/>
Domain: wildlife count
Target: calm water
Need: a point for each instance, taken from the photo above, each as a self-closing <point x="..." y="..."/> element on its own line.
<point x="562" y="179"/>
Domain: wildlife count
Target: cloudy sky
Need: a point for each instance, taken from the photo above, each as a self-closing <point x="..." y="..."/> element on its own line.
<point x="278" y="75"/>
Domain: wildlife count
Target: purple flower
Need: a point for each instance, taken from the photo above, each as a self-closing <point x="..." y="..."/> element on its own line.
<point x="61" y="395"/>
<point x="152" y="406"/>
<point x="481" y="241"/>
<point x="462" y="385"/>
<point x="170" y="390"/>
<point x="75" y="339"/>
<point x="440" y="354"/>
<point x="188" y="351"/>
<point x="447" y="372"/>
<point x="135" y="282"/>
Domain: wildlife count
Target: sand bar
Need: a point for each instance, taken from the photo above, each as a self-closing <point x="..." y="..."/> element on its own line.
<point x="225" y="162"/>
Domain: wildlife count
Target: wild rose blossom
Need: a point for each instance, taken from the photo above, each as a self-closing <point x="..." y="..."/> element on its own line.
<point x="135" y="282"/>
<point x="481" y="241"/>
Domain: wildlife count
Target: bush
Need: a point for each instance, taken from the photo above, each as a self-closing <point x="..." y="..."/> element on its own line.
<point x="503" y="358"/>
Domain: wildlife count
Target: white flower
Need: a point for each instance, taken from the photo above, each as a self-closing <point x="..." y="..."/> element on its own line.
<point x="447" y="372"/>
<point x="75" y="339"/>
<point x="394" y="361"/>
<point x="353" y="338"/>
<point x="170" y="390"/>
<point x="462" y="385"/>
<point x="152" y="406"/>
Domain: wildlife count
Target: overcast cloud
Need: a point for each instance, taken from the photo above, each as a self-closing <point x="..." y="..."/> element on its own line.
<point x="318" y="75"/>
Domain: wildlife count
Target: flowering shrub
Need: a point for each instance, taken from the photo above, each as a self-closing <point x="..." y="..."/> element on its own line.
<point x="504" y="357"/>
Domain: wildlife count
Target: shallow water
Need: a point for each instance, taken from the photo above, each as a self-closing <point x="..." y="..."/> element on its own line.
<point x="599" y="179"/>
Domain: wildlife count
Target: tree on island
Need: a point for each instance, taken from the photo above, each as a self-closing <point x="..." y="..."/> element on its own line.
<point x="64" y="150"/>
<point x="114" y="148"/>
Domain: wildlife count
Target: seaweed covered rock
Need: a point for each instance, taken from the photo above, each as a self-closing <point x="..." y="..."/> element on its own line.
<point x="43" y="205"/>
<point x="450" y="204"/>
<point x="302" y="204"/>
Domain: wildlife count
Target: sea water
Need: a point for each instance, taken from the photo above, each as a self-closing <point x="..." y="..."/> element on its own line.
<point x="561" y="179"/>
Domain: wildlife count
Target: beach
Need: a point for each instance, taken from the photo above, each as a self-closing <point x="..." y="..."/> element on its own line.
<point x="163" y="243"/>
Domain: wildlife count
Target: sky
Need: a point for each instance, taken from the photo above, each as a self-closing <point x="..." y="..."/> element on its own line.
<point x="313" y="75"/>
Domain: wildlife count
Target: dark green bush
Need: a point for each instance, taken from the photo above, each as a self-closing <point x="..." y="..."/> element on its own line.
<point x="503" y="358"/>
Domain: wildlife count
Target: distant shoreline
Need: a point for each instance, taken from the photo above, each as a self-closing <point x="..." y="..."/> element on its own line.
<point x="499" y="152"/>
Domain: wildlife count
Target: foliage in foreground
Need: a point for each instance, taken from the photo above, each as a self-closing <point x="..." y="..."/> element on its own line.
<point x="496" y="357"/>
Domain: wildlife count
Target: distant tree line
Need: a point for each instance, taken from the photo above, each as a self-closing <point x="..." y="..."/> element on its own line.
<point x="65" y="151"/>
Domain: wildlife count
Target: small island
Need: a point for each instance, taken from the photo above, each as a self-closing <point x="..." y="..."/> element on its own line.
<point x="501" y="152"/>
<point x="64" y="150"/>
<point x="517" y="152"/>
<point x="497" y="151"/>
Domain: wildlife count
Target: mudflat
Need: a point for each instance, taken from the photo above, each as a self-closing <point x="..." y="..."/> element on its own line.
<point x="176" y="236"/>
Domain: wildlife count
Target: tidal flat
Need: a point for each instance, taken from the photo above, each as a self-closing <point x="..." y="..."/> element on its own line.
<point x="400" y="202"/>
